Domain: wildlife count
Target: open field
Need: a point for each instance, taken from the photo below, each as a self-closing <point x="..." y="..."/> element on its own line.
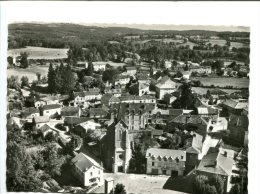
<point x="191" y="44"/>
<point x="200" y="90"/>
<point x="30" y="72"/>
<point x="169" y="40"/>
<point x="238" y="44"/>
<point x="225" y="81"/>
<point x="40" y="52"/>
<point x="219" y="42"/>
<point x="140" y="183"/>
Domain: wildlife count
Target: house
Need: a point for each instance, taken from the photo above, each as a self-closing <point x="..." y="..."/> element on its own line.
<point x="83" y="128"/>
<point x="122" y="79"/>
<point x="97" y="113"/>
<point x="99" y="66"/>
<point x="39" y="121"/>
<point x="235" y="106"/>
<point x="143" y="78"/>
<point x="82" y="98"/>
<point x="207" y="111"/>
<point x="165" y="86"/>
<point x="115" y="91"/>
<point x="46" y="129"/>
<point x="191" y="122"/>
<point x="46" y="101"/>
<point x="165" y="162"/>
<point x="70" y="111"/>
<point x="186" y="75"/>
<point x="30" y="113"/>
<point x="217" y="163"/>
<point x="167" y="64"/>
<point x="131" y="70"/>
<point x="139" y="89"/>
<point x="108" y="99"/>
<point x="169" y="98"/>
<point x="82" y="64"/>
<point x="87" y="170"/>
<point x="51" y="110"/>
<point x="73" y="121"/>
<point x="138" y="99"/>
<point x="238" y="127"/>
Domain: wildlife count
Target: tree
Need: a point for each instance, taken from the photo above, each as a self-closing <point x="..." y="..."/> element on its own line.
<point x="236" y="189"/>
<point x="10" y="60"/>
<point x="74" y="142"/>
<point x="53" y="161"/>
<point x="24" y="81"/>
<point x="119" y="189"/>
<point x="38" y="76"/>
<point x="68" y="80"/>
<point x="12" y="82"/>
<point x="24" y="59"/>
<point x="90" y="69"/>
<point x="109" y="75"/>
<point x="187" y="99"/>
<point x="20" y="174"/>
<point x="218" y="182"/>
<point x="52" y="79"/>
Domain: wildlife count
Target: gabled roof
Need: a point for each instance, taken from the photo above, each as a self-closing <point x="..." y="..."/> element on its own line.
<point x="130" y="68"/>
<point x="75" y="120"/>
<point x="207" y="110"/>
<point x="44" y="128"/>
<point x="85" y="93"/>
<point x="70" y="109"/>
<point x="190" y="119"/>
<point x="84" y="162"/>
<point x="49" y="98"/>
<point x="163" y="80"/>
<point x="51" y="106"/>
<point x="216" y="163"/>
<point x="236" y="104"/>
<point x="30" y="110"/>
<point x="41" y="119"/>
<point x="168" y="153"/>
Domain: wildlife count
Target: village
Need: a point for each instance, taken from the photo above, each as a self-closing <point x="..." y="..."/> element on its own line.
<point x="132" y="123"/>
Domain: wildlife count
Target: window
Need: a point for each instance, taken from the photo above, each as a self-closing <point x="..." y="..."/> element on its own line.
<point x="91" y="174"/>
<point x="152" y="163"/>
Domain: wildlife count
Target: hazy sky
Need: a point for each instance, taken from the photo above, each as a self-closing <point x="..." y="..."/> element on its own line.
<point x="169" y="15"/>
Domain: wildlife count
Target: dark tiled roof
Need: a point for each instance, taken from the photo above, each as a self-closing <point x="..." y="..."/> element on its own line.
<point x="168" y="153"/>
<point x="85" y="93"/>
<point x="44" y="128"/>
<point x="51" y="106"/>
<point x="30" y="110"/>
<point x="75" y="120"/>
<point x="216" y="163"/>
<point x="84" y="162"/>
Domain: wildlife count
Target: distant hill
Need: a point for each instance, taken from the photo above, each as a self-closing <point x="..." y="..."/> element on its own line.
<point x="61" y="35"/>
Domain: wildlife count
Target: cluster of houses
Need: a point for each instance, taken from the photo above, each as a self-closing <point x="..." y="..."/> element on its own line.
<point x="121" y="114"/>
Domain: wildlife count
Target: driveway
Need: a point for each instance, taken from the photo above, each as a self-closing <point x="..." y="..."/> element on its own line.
<point x="140" y="183"/>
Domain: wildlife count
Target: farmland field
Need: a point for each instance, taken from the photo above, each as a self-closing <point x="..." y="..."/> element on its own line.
<point x="219" y="42"/>
<point x="30" y="72"/>
<point x="40" y="52"/>
<point x="238" y="44"/>
<point x="191" y="44"/>
<point x="225" y="81"/>
<point x="201" y="90"/>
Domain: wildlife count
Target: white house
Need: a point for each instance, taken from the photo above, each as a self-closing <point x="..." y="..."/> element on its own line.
<point x="122" y="79"/>
<point x="87" y="170"/>
<point x="40" y="121"/>
<point x="99" y="66"/>
<point x="131" y="70"/>
<point x="51" y="110"/>
<point x="82" y="98"/>
<point x="46" y="101"/>
<point x="165" y="86"/>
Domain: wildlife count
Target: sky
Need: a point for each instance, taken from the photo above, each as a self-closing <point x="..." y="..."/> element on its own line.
<point x="166" y="15"/>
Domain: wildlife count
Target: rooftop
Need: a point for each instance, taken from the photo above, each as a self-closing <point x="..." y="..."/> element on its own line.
<point x="168" y="153"/>
<point x="51" y="106"/>
<point x="41" y="119"/>
<point x="84" y="162"/>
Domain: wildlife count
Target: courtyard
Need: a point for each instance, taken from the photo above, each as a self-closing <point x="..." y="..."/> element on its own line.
<point x="141" y="183"/>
